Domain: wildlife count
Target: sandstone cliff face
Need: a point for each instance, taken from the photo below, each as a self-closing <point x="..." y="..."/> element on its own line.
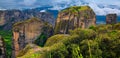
<point x="27" y="32"/>
<point x="74" y="17"/>
<point x="2" y="48"/>
<point x="9" y="17"/>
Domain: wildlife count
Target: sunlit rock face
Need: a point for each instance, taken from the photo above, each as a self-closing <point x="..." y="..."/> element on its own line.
<point x="74" y="17"/>
<point x="27" y="32"/>
<point x="2" y="48"/>
<point x="111" y="19"/>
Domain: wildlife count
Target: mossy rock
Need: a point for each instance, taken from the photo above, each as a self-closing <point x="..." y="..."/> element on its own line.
<point x="77" y="8"/>
<point x="17" y="26"/>
<point x="29" y="49"/>
<point x="56" y="39"/>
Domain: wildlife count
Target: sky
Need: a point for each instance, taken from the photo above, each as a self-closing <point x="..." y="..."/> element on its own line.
<point x="101" y="7"/>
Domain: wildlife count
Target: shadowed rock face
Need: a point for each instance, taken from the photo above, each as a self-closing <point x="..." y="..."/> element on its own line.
<point x="111" y="19"/>
<point x="26" y="33"/>
<point x="9" y="17"/>
<point x="74" y="17"/>
<point x="2" y="48"/>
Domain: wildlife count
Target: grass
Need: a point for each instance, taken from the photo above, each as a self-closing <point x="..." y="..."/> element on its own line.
<point x="76" y="8"/>
<point x="27" y="21"/>
<point x="28" y="52"/>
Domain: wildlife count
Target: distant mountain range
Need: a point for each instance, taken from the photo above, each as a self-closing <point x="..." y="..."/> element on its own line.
<point x="40" y="12"/>
<point x="9" y="17"/>
<point x="100" y="18"/>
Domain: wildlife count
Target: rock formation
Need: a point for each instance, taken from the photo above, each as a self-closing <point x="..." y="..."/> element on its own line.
<point x="27" y="32"/>
<point x="111" y="19"/>
<point x="2" y="48"/>
<point x="9" y="17"/>
<point x="74" y="17"/>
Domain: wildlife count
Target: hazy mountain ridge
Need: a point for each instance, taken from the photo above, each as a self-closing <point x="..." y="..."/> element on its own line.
<point x="9" y="17"/>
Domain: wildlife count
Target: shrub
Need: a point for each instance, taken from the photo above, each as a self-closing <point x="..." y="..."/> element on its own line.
<point x="41" y="40"/>
<point x="84" y="33"/>
<point x="55" y="39"/>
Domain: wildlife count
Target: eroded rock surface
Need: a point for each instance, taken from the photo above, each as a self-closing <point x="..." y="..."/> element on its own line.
<point x="74" y="17"/>
<point x="27" y="32"/>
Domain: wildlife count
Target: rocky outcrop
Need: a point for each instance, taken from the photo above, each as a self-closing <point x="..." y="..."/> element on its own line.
<point x="2" y="48"/>
<point x="27" y="32"/>
<point x="74" y="17"/>
<point x="111" y="19"/>
<point x="9" y="17"/>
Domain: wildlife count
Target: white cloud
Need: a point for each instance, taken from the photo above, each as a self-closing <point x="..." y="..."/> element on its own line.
<point x="29" y="2"/>
<point x="61" y="4"/>
<point x="2" y="8"/>
<point x="43" y="11"/>
<point x="105" y="10"/>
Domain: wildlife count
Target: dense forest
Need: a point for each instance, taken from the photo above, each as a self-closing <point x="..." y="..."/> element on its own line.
<point x="102" y="41"/>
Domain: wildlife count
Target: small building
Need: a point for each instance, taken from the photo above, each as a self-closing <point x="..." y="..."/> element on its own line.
<point x="111" y="19"/>
<point x="2" y="48"/>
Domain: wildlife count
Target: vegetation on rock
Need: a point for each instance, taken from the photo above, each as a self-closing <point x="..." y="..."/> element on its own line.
<point x="7" y="36"/>
<point x="75" y="9"/>
<point x="96" y="42"/>
<point x="47" y="31"/>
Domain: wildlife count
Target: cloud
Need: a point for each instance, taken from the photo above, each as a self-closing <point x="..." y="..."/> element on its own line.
<point x="28" y="2"/>
<point x="43" y="11"/>
<point x="105" y="10"/>
<point x="96" y="5"/>
<point x="62" y="4"/>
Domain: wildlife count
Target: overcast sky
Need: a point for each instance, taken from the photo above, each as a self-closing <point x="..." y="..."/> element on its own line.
<point x="6" y="4"/>
<point x="20" y="4"/>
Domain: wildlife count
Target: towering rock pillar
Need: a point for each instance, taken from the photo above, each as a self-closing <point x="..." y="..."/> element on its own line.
<point x="74" y="17"/>
<point x="27" y="32"/>
<point x="2" y="48"/>
<point x="111" y="19"/>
